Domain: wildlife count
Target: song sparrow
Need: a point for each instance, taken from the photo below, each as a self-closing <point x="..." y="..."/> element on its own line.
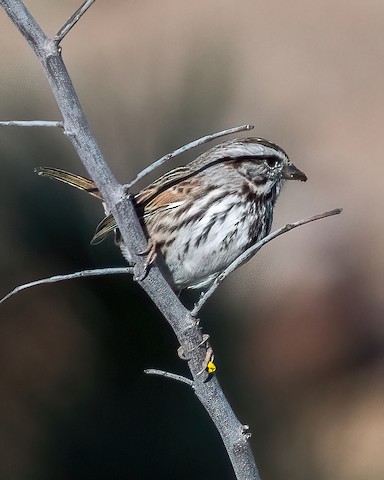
<point x="202" y="216"/>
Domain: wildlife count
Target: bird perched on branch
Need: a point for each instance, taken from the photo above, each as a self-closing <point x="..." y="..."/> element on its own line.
<point x="202" y="216"/>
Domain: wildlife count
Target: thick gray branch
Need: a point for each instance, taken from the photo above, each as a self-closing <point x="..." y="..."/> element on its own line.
<point x="182" y="322"/>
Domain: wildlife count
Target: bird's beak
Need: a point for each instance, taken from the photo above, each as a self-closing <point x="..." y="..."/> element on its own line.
<point x="290" y="172"/>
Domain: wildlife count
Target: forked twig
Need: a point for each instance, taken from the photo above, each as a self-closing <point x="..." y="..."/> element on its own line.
<point x="255" y="248"/>
<point x="70" y="276"/>
<point x="185" y="148"/>
<point x="72" y="21"/>
<point x="31" y="123"/>
<point x="172" y="376"/>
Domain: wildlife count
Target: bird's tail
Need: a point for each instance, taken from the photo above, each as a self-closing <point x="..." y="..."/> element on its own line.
<point x="76" y="181"/>
<point x="108" y="224"/>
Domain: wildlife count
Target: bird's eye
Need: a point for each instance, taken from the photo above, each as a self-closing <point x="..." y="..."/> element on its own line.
<point x="271" y="162"/>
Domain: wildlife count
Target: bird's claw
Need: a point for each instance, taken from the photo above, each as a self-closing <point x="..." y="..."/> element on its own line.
<point x="208" y="362"/>
<point x="150" y="252"/>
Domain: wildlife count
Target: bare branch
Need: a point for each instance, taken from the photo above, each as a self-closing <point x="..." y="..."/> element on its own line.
<point x="253" y="250"/>
<point x="185" y="148"/>
<point x="97" y="272"/>
<point x="72" y="21"/>
<point x="173" y="376"/>
<point x="31" y="123"/>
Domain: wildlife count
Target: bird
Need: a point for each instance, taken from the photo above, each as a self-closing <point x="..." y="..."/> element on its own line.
<point x="200" y="217"/>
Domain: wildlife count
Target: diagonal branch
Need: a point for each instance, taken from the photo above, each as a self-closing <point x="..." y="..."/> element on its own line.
<point x="182" y="322"/>
<point x="253" y="250"/>
<point x="172" y="376"/>
<point x="71" y="22"/>
<point x="186" y="148"/>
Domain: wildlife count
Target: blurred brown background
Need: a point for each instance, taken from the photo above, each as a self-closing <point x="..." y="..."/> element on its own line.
<point x="298" y="332"/>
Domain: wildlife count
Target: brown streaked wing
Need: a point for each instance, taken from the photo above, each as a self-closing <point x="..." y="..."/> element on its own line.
<point x="174" y="177"/>
<point x="162" y="183"/>
<point x="170" y="198"/>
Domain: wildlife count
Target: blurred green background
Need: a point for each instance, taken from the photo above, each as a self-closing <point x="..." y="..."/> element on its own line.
<point x="298" y="332"/>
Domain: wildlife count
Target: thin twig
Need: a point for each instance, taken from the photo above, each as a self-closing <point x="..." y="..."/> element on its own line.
<point x="31" y="123"/>
<point x="72" y="21"/>
<point x="185" y="148"/>
<point x="254" y="249"/>
<point x="70" y="276"/>
<point x="173" y="376"/>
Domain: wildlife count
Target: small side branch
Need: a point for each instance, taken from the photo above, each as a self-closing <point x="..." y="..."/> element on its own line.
<point x="72" y="21"/>
<point x="254" y="249"/>
<point x="97" y="272"/>
<point x="31" y="123"/>
<point x="185" y="148"/>
<point x="172" y="376"/>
